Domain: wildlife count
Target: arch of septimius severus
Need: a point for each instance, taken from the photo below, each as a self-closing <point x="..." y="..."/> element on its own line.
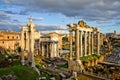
<point x="85" y="41"/>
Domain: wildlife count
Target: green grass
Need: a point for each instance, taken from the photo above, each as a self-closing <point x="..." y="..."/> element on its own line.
<point x="91" y="57"/>
<point x="21" y="72"/>
<point x="48" y="74"/>
<point x="62" y="66"/>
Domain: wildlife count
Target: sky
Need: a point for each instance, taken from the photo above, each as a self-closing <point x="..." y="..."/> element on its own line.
<point x="54" y="15"/>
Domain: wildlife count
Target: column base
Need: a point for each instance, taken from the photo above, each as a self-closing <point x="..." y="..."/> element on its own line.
<point x="76" y="65"/>
<point x="23" y="62"/>
<point x="86" y="55"/>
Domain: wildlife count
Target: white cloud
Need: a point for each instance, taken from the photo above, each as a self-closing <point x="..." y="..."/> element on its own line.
<point x="101" y="11"/>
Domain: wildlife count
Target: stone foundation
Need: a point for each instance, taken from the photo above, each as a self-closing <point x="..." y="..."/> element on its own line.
<point x="76" y="65"/>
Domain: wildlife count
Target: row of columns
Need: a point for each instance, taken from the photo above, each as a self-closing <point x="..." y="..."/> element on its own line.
<point x="88" y="41"/>
<point x="49" y="49"/>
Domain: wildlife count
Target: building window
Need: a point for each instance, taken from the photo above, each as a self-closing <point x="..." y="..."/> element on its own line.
<point x="8" y="37"/>
<point x="3" y="42"/>
<point x="17" y="37"/>
<point x="13" y="37"/>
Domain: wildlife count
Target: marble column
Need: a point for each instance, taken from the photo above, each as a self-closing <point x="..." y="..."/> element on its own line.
<point x="89" y="44"/>
<point x="42" y="47"/>
<point x="32" y="41"/>
<point x="71" y="40"/>
<point x="47" y="50"/>
<point x="55" y="48"/>
<point x="98" y="43"/>
<point x="92" y="43"/>
<point x="22" y="58"/>
<point x="81" y="47"/>
<point x="22" y="48"/>
<point x="51" y="48"/>
<point x="85" y="43"/>
<point x="77" y="44"/>
<point x="28" y="41"/>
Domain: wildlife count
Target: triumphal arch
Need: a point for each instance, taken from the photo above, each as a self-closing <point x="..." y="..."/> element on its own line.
<point x="86" y="40"/>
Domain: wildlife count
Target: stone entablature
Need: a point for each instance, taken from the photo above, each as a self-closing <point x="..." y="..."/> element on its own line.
<point x="57" y="37"/>
<point x="49" y="47"/>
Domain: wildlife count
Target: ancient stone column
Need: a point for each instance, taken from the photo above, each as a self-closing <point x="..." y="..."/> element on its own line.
<point x="22" y="48"/>
<point x="47" y="50"/>
<point x="85" y="43"/>
<point x="22" y="58"/>
<point x="28" y="46"/>
<point x="98" y="43"/>
<point x="89" y="44"/>
<point x="92" y="43"/>
<point x="51" y="48"/>
<point x="42" y="47"/>
<point x="54" y="49"/>
<point x="71" y="36"/>
<point x="77" y="44"/>
<point x="28" y="41"/>
<point x="32" y="41"/>
<point x="81" y="48"/>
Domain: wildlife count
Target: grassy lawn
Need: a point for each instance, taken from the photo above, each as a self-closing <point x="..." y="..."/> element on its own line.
<point x="62" y="66"/>
<point x="91" y="57"/>
<point x="21" y="72"/>
<point x="49" y="74"/>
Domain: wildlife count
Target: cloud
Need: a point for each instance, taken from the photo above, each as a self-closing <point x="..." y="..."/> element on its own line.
<point x="100" y="11"/>
<point x="87" y="9"/>
<point x="51" y="27"/>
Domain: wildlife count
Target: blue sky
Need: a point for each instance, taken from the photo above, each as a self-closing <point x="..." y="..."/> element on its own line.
<point x="54" y="15"/>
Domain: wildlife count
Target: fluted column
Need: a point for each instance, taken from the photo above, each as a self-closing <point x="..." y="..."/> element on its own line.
<point x="71" y="36"/>
<point x="92" y="43"/>
<point x="98" y="43"/>
<point x="81" y="48"/>
<point x="77" y="44"/>
<point x="89" y="46"/>
<point x="85" y="43"/>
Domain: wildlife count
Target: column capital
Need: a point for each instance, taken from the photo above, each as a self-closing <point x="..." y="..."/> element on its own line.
<point x="70" y="30"/>
<point x="80" y="31"/>
<point x="85" y="31"/>
<point x="98" y="32"/>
